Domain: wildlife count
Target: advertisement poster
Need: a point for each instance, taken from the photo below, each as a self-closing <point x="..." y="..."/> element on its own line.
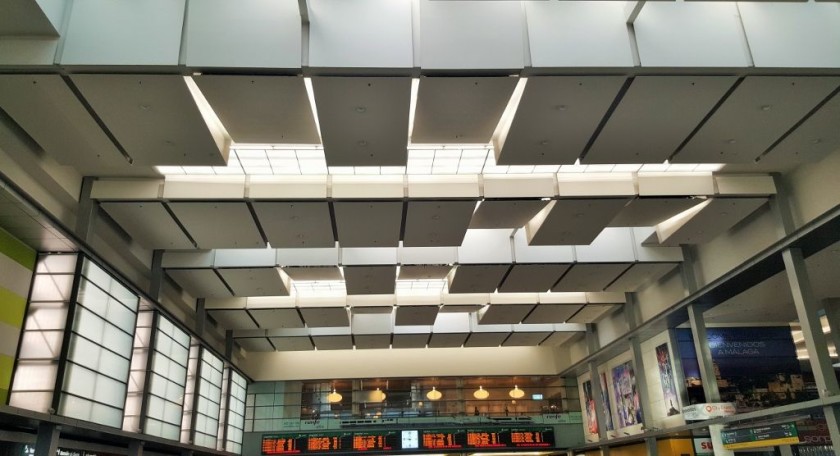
<point x="589" y="403"/>
<point x="605" y="402"/>
<point x="666" y="377"/>
<point x="627" y="404"/>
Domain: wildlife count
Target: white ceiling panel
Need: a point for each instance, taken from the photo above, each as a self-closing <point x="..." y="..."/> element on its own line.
<point x="504" y="314"/>
<point x="233" y="319"/>
<point x="200" y="283"/>
<point x="573" y="221"/>
<point x="552" y="313"/>
<point x="505" y="213"/>
<point x="333" y="342"/>
<point x="255" y="281"/>
<point x="556" y="117"/>
<point x="485" y="339"/>
<point x="716" y="217"/>
<point x="298" y="224"/>
<point x="409" y="340"/>
<point x="757" y="113"/>
<point x="590" y="277"/>
<point x="592" y="313"/>
<point x="325" y="317"/>
<point x="640" y="274"/>
<point x="372" y="341"/>
<point x="525" y="339"/>
<point x="814" y="139"/>
<point x="532" y="277"/>
<point x="291" y="343"/>
<point x="559" y="338"/>
<point x="277" y="318"/>
<point x="437" y="223"/>
<point x="368" y="224"/>
<point x="148" y="223"/>
<point x="261" y="109"/>
<point x="655" y="116"/>
<point x="255" y="344"/>
<point x="364" y="120"/>
<point x="460" y="308"/>
<point x="219" y="225"/>
<point x="27" y="18"/>
<point x="314" y="273"/>
<point x="370" y="279"/>
<point x="652" y="211"/>
<point x="51" y="114"/>
<point x="424" y="272"/>
<point x="469" y="278"/>
<point x="447" y="340"/>
<point x="153" y="117"/>
<point x="416" y="315"/>
<point x="460" y="110"/>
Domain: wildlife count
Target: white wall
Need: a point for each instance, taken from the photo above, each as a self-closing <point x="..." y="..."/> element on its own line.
<point x="612" y="327"/>
<point x="660" y="295"/>
<point x="814" y="188"/>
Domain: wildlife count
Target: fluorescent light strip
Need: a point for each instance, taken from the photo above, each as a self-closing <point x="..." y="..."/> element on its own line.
<point x="415" y="88"/>
<point x="310" y="93"/>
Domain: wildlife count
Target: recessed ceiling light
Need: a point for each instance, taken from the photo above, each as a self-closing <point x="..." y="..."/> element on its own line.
<point x="360" y="109"/>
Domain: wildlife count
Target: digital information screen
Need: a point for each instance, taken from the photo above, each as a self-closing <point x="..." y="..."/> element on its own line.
<point x="409" y="440"/>
<point x="775" y="434"/>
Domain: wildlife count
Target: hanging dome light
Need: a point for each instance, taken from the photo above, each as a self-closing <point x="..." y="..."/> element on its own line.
<point x="434" y="394"/>
<point x="516" y="393"/>
<point x="377" y="396"/>
<point x="334" y="397"/>
<point x="481" y="393"/>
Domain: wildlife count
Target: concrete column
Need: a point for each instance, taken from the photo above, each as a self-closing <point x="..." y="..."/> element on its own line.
<point x="200" y="317"/>
<point x="135" y="448"/>
<point x="46" y="442"/>
<point x="704" y="353"/>
<point x="717" y="442"/>
<point x="156" y="279"/>
<point x="87" y="212"/>
<point x="650" y="445"/>
<point x="597" y="394"/>
<point x="676" y="364"/>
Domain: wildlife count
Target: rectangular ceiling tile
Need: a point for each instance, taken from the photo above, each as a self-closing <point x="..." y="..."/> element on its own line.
<point x="364" y="120"/>
<point x="219" y="225"/>
<point x="437" y="223"/>
<point x="298" y="224"/>
<point x="460" y="110"/>
<point x="232" y="319"/>
<point x="148" y="223"/>
<point x="485" y="339"/>
<point x="504" y="314"/>
<point x="291" y="343"/>
<point x="532" y="277"/>
<point x="573" y="221"/>
<point x="255" y="344"/>
<point x="370" y="279"/>
<point x="559" y="338"/>
<point x="424" y="272"/>
<point x="277" y="318"/>
<point x="552" y="313"/>
<point x="312" y="273"/>
<point x="325" y="317"/>
<point x="410" y="340"/>
<point x="361" y="224"/>
<point x="555" y="119"/>
<point x="447" y="340"/>
<point x="416" y="315"/>
<point x="591" y="313"/>
<point x="759" y="111"/>
<point x="640" y="274"/>
<point x="261" y="109"/>
<point x="497" y="214"/>
<point x="49" y="112"/>
<point x="256" y="281"/>
<point x="333" y="342"/>
<point x="814" y="139"/>
<point x="372" y="341"/>
<point x="154" y="118"/>
<point x="654" y="117"/>
<point x="525" y="339"/>
<point x="470" y="278"/>
<point x="200" y="283"/>
<point x="713" y="218"/>
<point x="652" y="211"/>
<point x="590" y="277"/>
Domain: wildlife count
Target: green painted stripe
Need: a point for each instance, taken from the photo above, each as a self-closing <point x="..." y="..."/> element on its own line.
<point x="16" y="250"/>
<point x="7" y="363"/>
<point x="9" y="337"/>
<point x="12" y="308"/>
<point x="4" y="396"/>
<point x="15" y="277"/>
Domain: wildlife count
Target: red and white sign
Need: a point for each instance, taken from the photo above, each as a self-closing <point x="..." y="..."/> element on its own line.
<point x="697" y="412"/>
<point x="703" y="446"/>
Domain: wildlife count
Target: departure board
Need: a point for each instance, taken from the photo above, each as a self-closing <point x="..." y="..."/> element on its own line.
<point x="408" y="440"/>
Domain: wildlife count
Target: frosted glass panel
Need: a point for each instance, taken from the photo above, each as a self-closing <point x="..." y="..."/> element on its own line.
<point x="36" y="376"/>
<point x="106" y="415"/>
<point x="155" y="407"/>
<point x="113" y="365"/>
<point x="75" y="407"/>
<point x="41" y="344"/>
<point x="84" y="352"/>
<point x="79" y="381"/>
<point x="89" y="325"/>
<point x="38" y="401"/>
<point x="53" y="264"/>
<point x="46" y="316"/>
<point x="109" y="391"/>
<point x="51" y="287"/>
<point x="171" y="413"/>
<point x="117" y="340"/>
<point x="154" y="427"/>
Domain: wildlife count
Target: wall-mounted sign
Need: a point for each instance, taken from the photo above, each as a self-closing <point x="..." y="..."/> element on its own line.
<point x="698" y="412"/>
<point x="703" y="446"/>
<point x="764" y="436"/>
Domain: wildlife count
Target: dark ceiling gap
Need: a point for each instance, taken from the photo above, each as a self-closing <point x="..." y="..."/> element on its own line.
<point x="178" y="222"/>
<point x="619" y="276"/>
<point x="613" y="106"/>
<point x="257" y="222"/>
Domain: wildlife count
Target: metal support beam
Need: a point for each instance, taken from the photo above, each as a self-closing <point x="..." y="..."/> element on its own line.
<point x="689" y="278"/>
<point x="704" y="353"/>
<point x="200" y="317"/>
<point x="631" y="311"/>
<point x="807" y="310"/>
<point x="780" y="206"/>
<point x="592" y="344"/>
<point x="46" y="442"/>
<point x="156" y="279"/>
<point x="87" y="212"/>
<point x="677" y="366"/>
<point x="135" y="448"/>
<point x="597" y="394"/>
<point x="633" y="10"/>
